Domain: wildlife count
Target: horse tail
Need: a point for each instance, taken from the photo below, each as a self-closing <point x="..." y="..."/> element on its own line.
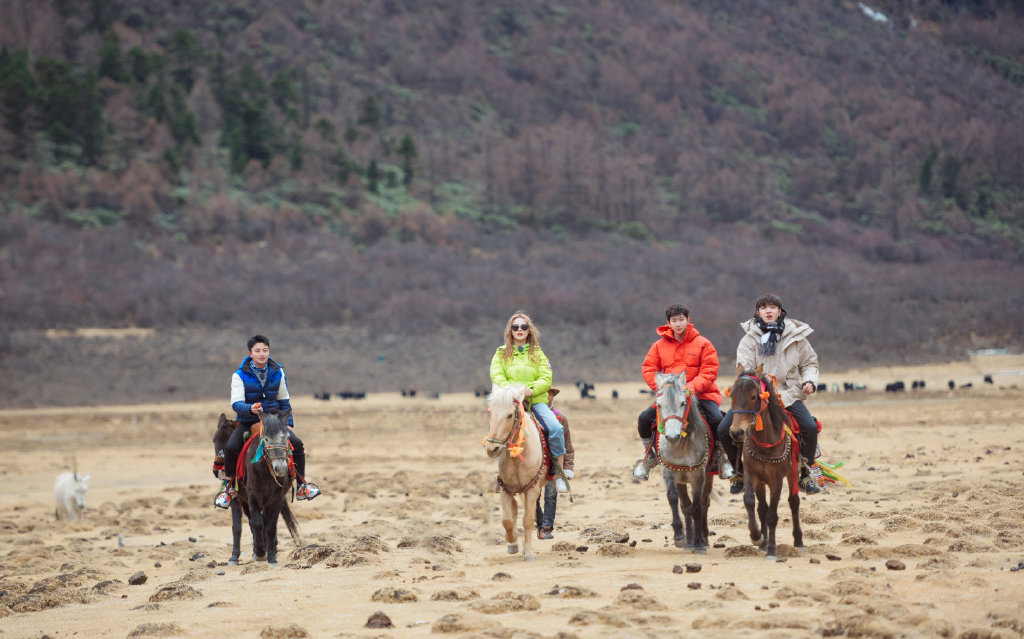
<point x="289" y="520"/>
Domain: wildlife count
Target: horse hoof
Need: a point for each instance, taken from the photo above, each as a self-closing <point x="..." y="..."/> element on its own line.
<point x="702" y="550"/>
<point x="259" y="557"/>
<point x="754" y="541"/>
<point x="530" y="557"/>
<point x="772" y="557"/>
<point x="513" y="549"/>
<point x="680" y="543"/>
<point x="272" y="563"/>
<point x="232" y="562"/>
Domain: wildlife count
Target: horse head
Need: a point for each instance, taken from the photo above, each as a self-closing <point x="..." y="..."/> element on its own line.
<point x="671" y="397"/>
<point x="504" y="406"/>
<point x="275" y="441"/>
<point x="749" y="396"/>
<point x="225" y="427"/>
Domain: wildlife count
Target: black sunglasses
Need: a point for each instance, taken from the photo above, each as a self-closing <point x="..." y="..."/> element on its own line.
<point x="520" y="327"/>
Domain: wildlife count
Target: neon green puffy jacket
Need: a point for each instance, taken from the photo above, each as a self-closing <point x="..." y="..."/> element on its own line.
<point x="535" y="375"/>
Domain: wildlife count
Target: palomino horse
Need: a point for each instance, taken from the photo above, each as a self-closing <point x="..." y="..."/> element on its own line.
<point x="770" y="454"/>
<point x="267" y="474"/>
<point x="683" y="445"/>
<point x="515" y="439"/>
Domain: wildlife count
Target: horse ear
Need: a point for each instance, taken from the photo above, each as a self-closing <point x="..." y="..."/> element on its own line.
<point x="223" y="419"/>
<point x="285" y="416"/>
<point x="760" y="370"/>
<point x="739" y="369"/>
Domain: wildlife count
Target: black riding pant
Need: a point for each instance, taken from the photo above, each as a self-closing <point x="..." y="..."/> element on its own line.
<point x="234" y="448"/>
<point x="808" y="433"/>
<point x="708" y="408"/>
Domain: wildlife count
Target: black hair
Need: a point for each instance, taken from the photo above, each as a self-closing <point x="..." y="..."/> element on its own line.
<point x="768" y="299"/>
<point x="676" y="309"/>
<point x="258" y="339"/>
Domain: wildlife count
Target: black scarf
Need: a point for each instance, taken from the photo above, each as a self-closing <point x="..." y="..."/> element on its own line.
<point x="771" y="332"/>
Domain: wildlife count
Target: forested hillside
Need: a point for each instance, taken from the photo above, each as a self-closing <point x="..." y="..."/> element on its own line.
<point x="372" y="162"/>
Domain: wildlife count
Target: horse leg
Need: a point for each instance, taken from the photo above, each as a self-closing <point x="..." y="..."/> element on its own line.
<point x="259" y="544"/>
<point x="700" y="515"/>
<point x="750" y="500"/>
<point x="236" y="532"/>
<point x="705" y="506"/>
<point x="794" y="508"/>
<point x="270" y="530"/>
<point x="687" y="511"/>
<point x="529" y="519"/>
<point x="771" y="550"/>
<point x="672" y="494"/>
<point x="508" y="520"/>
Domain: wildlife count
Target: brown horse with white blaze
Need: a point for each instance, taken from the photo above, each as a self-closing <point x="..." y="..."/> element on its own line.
<point x="515" y="440"/>
<point x="770" y="455"/>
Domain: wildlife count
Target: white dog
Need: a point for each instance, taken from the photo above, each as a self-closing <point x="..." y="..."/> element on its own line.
<point x="69" y="492"/>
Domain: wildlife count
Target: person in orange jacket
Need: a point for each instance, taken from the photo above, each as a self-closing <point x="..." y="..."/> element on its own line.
<point x="680" y="348"/>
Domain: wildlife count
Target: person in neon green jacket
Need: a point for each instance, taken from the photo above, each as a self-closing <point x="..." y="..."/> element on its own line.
<point x="520" y="360"/>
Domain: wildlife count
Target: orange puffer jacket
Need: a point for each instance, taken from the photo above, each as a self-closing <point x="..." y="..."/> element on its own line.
<point x="695" y="353"/>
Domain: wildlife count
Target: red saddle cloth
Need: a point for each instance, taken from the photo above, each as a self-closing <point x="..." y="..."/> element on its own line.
<point x="795" y="427"/>
<point x="240" y="466"/>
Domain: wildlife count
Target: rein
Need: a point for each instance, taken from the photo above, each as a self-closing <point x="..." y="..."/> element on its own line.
<point x="516" y="449"/>
<point x="265" y="448"/>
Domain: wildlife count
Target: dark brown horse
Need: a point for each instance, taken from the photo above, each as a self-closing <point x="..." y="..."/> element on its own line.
<point x="770" y="455"/>
<point x="240" y="503"/>
<point x="268" y="475"/>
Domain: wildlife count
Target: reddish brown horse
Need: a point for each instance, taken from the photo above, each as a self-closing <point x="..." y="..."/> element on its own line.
<point x="770" y="455"/>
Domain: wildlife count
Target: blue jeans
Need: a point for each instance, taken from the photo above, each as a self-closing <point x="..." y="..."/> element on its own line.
<point x="556" y="437"/>
<point x="546" y="516"/>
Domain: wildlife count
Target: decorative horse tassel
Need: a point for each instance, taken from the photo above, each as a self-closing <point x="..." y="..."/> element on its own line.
<point x="516" y="450"/>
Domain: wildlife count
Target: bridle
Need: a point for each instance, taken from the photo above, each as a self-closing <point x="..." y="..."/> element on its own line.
<point x="517" y="425"/>
<point x="283" y="449"/>
<point x="762" y="402"/>
<point x="514" y="448"/>
<point x="785" y="435"/>
<point x="661" y="419"/>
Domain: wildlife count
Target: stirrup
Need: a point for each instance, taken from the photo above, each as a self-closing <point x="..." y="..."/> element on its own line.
<point x="725" y="469"/>
<point x="640" y="471"/>
<point x="312" y="492"/>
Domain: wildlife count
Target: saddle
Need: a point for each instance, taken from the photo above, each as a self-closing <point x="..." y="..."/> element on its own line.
<point x="795" y="426"/>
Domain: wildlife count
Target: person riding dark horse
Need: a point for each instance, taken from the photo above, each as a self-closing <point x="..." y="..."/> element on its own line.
<point x="259" y="385"/>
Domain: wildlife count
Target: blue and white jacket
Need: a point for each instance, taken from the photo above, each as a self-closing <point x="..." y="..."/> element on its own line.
<point x="246" y="390"/>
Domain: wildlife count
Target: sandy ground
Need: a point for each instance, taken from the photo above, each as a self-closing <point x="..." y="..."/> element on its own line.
<point x="922" y="545"/>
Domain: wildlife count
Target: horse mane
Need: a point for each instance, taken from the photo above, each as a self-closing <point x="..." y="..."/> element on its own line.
<point x="272" y="423"/>
<point x="502" y="398"/>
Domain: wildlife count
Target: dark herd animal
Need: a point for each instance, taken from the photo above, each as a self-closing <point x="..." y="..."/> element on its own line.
<point x="585" y="388"/>
<point x="895" y="387"/>
<point x="325" y="396"/>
